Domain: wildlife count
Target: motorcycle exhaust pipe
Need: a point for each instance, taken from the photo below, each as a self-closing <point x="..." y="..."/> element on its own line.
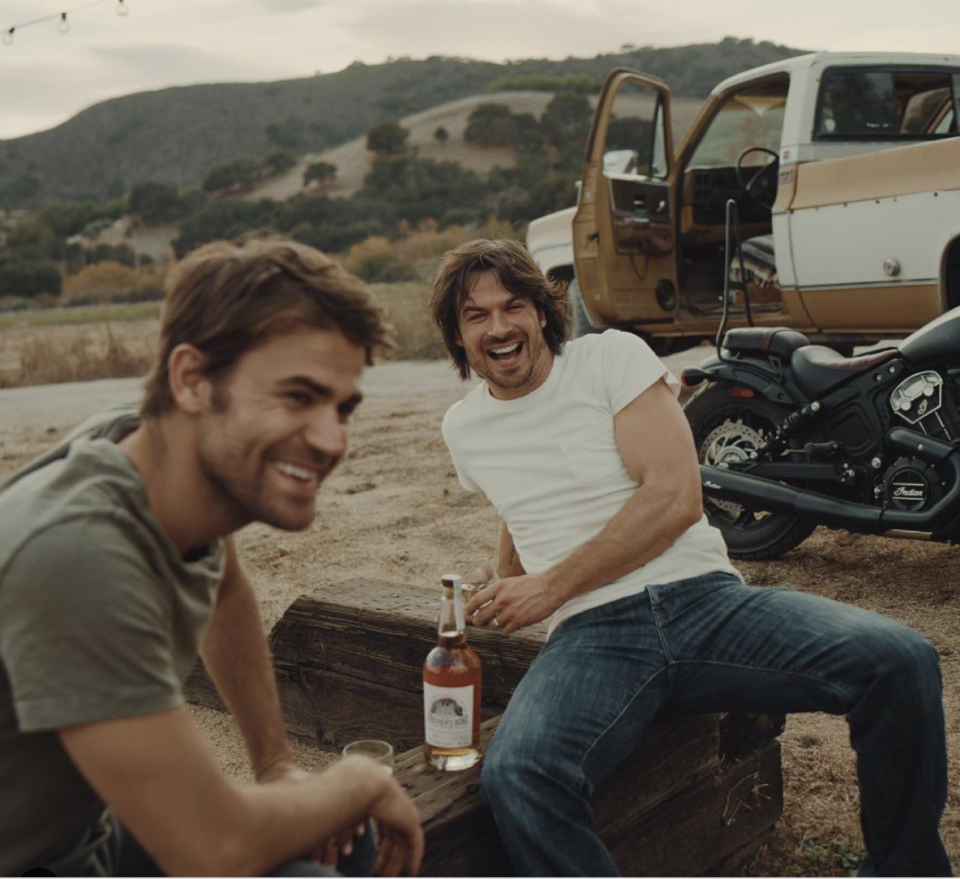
<point x="764" y="494"/>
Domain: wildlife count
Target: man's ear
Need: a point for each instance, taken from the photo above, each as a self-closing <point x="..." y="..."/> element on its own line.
<point x="458" y="338"/>
<point x="189" y="385"/>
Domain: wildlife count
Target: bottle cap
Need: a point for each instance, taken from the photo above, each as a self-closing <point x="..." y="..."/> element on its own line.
<point x="450" y="581"/>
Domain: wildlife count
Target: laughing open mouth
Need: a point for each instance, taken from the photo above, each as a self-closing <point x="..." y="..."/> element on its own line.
<point x="505" y="352"/>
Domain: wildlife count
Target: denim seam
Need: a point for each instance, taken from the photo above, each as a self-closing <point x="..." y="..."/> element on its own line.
<point x="742" y="666"/>
<point x="620" y="713"/>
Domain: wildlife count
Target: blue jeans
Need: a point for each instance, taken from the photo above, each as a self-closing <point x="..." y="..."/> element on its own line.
<point x="111" y="850"/>
<point x="710" y="644"/>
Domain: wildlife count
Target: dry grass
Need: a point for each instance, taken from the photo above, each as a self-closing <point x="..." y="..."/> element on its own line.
<point x="86" y="344"/>
<point x="408" y="308"/>
<point x="41" y="355"/>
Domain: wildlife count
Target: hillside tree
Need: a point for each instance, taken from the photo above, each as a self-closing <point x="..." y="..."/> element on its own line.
<point x="388" y="137"/>
<point x="322" y="173"/>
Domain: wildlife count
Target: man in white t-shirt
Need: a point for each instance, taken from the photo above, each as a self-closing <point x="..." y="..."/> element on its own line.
<point x="589" y="462"/>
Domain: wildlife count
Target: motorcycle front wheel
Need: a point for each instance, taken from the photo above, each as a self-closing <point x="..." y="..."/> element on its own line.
<point x="728" y="429"/>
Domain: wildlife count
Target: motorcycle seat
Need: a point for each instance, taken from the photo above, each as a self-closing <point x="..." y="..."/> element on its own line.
<point x="818" y="369"/>
<point x="778" y="341"/>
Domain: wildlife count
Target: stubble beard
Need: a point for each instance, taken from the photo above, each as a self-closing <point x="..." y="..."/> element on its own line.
<point x="245" y="496"/>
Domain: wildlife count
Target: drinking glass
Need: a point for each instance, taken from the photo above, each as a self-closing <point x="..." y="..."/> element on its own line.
<point x="482" y="575"/>
<point x="373" y="749"/>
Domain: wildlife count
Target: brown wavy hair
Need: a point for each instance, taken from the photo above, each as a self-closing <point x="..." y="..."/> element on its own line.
<point x="226" y="299"/>
<point x="516" y="271"/>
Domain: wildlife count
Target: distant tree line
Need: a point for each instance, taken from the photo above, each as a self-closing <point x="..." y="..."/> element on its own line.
<point x="400" y="191"/>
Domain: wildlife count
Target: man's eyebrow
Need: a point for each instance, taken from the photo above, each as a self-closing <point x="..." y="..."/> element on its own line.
<point x="320" y="390"/>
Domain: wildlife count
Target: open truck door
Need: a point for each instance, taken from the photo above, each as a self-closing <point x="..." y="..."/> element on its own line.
<point x="624" y="235"/>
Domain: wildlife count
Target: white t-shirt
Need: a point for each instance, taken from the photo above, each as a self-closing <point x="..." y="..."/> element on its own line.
<point x="549" y="464"/>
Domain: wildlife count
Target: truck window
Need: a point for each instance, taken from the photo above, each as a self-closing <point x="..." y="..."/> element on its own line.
<point x="747" y="118"/>
<point x="886" y="105"/>
<point x="635" y="137"/>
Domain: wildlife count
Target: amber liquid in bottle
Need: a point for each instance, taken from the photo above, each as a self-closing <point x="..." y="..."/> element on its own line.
<point x="451" y="688"/>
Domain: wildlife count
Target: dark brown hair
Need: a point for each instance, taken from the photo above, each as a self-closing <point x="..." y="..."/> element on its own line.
<point x="226" y="299"/>
<point x="516" y="271"/>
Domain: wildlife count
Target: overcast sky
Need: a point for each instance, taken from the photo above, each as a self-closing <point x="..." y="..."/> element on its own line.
<point x="47" y="76"/>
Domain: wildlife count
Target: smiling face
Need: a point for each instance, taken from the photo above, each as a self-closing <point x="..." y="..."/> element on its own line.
<point x="502" y="336"/>
<point x="277" y="425"/>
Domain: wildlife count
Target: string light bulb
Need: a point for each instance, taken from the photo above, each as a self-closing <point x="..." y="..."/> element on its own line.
<point x="122" y="8"/>
<point x="63" y="25"/>
<point x="8" y="36"/>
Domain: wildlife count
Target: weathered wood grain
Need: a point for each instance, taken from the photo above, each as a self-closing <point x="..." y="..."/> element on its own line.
<point x="698" y="789"/>
<point x="656" y="818"/>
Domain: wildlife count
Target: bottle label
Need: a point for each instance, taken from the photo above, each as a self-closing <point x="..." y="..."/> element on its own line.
<point x="448" y="716"/>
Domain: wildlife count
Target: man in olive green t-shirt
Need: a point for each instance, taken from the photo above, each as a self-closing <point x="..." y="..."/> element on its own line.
<point x="117" y="569"/>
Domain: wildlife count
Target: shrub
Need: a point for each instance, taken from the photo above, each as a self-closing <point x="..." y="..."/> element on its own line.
<point x="278" y="162"/>
<point x="378" y="259"/>
<point x="155" y="202"/>
<point x="387" y="137"/>
<point x="491" y="124"/>
<point x="321" y="172"/>
<point x="233" y="175"/>
<point x="111" y="281"/>
<point x="29" y="277"/>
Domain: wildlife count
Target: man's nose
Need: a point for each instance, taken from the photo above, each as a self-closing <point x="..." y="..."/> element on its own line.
<point x="327" y="433"/>
<point x="499" y="324"/>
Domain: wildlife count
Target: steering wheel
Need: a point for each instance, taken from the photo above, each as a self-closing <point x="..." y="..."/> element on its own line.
<point x="759" y="184"/>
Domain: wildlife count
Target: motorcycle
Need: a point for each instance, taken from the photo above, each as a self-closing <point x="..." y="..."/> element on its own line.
<point x="792" y="435"/>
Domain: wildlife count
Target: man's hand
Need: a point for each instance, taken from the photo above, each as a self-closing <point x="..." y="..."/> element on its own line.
<point x="327" y="853"/>
<point x="399" y="832"/>
<point x="514" y="602"/>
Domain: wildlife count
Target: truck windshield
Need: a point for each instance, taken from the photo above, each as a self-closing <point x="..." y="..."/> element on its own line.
<point x="752" y="117"/>
<point x="886" y="105"/>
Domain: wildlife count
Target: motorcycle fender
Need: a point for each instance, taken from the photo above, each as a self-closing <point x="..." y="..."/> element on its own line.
<point x="735" y="374"/>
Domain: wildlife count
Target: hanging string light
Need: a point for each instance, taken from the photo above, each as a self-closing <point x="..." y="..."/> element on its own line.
<point x="60" y="18"/>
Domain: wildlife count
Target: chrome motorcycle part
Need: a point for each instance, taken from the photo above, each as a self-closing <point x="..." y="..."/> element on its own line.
<point x="730" y="443"/>
<point x="729" y="430"/>
<point x="918" y="400"/>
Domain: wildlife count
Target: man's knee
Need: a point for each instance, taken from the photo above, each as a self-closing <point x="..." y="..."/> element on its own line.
<point x="511" y="775"/>
<point x="906" y="663"/>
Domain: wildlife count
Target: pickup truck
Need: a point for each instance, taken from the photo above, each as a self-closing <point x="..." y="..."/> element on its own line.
<point x="846" y="173"/>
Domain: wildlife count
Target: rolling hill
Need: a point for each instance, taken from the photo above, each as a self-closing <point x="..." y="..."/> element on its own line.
<point x="177" y="135"/>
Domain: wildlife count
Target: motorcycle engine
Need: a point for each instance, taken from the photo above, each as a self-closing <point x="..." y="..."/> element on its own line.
<point x="910" y="484"/>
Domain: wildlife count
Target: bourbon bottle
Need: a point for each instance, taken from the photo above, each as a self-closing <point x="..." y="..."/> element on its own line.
<point x="451" y="688"/>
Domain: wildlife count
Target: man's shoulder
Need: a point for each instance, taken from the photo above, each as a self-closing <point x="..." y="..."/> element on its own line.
<point x="73" y="506"/>
<point x="595" y="343"/>
<point x="466" y="407"/>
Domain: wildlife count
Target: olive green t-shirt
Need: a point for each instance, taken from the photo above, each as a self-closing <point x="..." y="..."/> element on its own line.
<point x="100" y="618"/>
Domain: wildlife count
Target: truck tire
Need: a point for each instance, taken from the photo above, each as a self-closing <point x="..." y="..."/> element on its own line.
<point x="581" y="323"/>
<point x="728" y="429"/>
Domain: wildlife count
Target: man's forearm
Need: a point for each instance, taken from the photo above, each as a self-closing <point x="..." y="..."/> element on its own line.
<point x="236" y="655"/>
<point x="648" y="523"/>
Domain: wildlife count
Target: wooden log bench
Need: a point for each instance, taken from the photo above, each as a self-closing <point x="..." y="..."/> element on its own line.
<point x="698" y="794"/>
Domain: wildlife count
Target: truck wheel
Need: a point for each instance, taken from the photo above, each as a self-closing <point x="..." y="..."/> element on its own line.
<point x="728" y="429"/>
<point x="581" y="323"/>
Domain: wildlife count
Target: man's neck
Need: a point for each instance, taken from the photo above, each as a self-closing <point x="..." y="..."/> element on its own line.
<point x="188" y="508"/>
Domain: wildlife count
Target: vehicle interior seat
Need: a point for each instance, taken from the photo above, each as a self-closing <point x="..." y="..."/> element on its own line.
<point x="759" y="263"/>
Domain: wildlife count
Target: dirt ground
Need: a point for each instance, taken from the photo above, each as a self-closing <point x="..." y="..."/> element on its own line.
<point x="394" y="510"/>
